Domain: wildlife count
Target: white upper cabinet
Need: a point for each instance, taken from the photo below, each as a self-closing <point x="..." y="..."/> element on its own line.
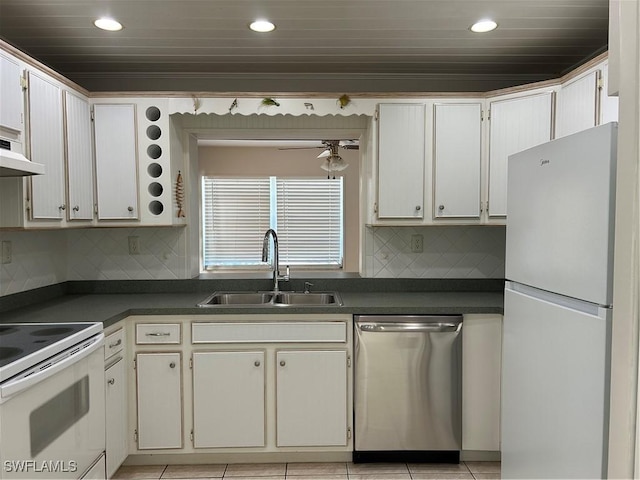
<point x="401" y="156"/>
<point x="79" y="158"/>
<point x="116" y="161"/>
<point x="515" y="125"/>
<point x="457" y="160"/>
<point x="577" y="105"/>
<point x="12" y="104"/>
<point x="46" y="141"/>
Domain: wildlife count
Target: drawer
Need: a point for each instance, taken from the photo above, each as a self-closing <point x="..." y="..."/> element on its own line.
<point x="269" y="332"/>
<point x="157" y="333"/>
<point x="113" y="343"/>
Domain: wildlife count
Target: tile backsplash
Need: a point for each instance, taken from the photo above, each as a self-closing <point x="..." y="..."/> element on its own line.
<point x="46" y="257"/>
<point x="448" y="252"/>
<point x="103" y="254"/>
<point x="38" y="259"/>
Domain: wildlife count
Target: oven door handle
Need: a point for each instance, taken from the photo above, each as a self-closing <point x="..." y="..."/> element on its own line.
<point x="13" y="387"/>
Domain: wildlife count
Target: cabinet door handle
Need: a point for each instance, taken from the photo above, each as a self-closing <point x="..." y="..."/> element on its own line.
<point x="62" y="207"/>
<point x="111" y="381"/>
<point x="130" y="209"/>
<point x="257" y="363"/>
<point x="282" y="363"/>
<point x="172" y="365"/>
<point x="157" y="334"/>
<point x="115" y="344"/>
<point x="418" y="208"/>
<point x="76" y="208"/>
<point x="441" y="207"/>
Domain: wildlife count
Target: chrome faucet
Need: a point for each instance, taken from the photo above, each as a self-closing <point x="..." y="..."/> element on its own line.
<point x="265" y="257"/>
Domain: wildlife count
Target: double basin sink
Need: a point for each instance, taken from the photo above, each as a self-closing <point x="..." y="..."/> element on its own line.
<point x="264" y="299"/>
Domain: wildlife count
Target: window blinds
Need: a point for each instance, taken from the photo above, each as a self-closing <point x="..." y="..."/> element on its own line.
<point x="306" y="213"/>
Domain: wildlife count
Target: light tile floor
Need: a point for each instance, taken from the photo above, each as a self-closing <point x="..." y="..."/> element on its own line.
<point x="316" y="471"/>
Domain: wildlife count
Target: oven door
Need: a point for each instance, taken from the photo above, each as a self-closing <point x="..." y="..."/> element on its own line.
<point x="52" y="421"/>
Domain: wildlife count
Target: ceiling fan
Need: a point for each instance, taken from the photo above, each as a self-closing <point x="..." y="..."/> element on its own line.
<point x="334" y="162"/>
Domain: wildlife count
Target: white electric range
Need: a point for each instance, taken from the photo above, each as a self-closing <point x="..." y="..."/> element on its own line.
<point x="52" y="420"/>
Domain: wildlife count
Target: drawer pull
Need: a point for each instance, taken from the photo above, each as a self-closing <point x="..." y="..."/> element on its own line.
<point x="111" y="381"/>
<point x="257" y="363"/>
<point x="115" y="344"/>
<point x="172" y="365"/>
<point x="157" y="334"/>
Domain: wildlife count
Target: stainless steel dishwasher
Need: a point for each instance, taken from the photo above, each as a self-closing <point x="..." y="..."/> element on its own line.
<point x="408" y="388"/>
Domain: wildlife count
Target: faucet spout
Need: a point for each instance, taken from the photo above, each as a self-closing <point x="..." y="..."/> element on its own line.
<point x="265" y="256"/>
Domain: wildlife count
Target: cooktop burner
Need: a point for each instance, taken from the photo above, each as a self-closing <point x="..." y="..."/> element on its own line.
<point x="25" y="343"/>
<point x="9" y="352"/>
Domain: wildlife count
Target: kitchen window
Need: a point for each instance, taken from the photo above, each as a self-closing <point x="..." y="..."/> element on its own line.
<point x="306" y="213"/>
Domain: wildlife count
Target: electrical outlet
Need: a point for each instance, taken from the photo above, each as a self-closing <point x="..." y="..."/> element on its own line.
<point x="134" y="245"/>
<point x="7" y="251"/>
<point x="416" y="243"/>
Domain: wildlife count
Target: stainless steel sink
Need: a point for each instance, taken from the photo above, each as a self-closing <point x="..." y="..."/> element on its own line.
<point x="237" y="299"/>
<point x="311" y="298"/>
<point x="264" y="299"/>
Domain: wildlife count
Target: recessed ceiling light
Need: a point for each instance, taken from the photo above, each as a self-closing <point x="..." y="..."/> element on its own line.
<point x="483" y="26"/>
<point x="108" y="24"/>
<point x="262" y="26"/>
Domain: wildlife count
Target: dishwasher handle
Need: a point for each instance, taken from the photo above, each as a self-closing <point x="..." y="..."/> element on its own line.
<point x="382" y="327"/>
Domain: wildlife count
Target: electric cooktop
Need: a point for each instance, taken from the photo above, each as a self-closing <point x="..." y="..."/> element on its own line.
<point x="23" y="345"/>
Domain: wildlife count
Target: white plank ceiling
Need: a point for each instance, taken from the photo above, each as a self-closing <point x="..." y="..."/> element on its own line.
<point x="318" y="45"/>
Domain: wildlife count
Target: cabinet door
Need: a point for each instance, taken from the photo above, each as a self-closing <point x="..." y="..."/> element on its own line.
<point x="401" y="138"/>
<point x="116" y="162"/>
<point x="515" y="125"/>
<point x="311" y="398"/>
<point x="116" y="415"/>
<point x="481" y="366"/>
<point x="577" y="101"/>
<point x="12" y="104"/>
<point x="79" y="158"/>
<point x="457" y="156"/>
<point x="46" y="140"/>
<point x="159" y="400"/>
<point x="228" y="399"/>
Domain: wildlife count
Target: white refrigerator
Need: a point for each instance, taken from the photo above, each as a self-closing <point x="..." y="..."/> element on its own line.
<point x="557" y="307"/>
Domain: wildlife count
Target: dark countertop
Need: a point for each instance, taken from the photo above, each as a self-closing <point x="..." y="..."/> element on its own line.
<point x="110" y="308"/>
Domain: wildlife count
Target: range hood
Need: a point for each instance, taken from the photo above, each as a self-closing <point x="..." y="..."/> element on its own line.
<point x="13" y="163"/>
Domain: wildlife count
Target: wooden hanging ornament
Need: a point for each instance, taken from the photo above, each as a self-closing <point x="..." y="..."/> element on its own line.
<point x="180" y="195"/>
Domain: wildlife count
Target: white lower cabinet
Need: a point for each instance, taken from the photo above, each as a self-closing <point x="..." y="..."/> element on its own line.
<point x="481" y="366"/>
<point x="229" y="399"/>
<point x="311" y="398"/>
<point x="116" y="415"/>
<point x="159" y="397"/>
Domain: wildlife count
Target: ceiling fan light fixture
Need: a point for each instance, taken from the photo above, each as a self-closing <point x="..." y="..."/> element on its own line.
<point x="262" y="26"/>
<point x="483" y="26"/>
<point x="108" y="24"/>
<point x="334" y="163"/>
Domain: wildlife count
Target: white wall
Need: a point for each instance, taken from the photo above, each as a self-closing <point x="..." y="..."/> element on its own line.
<point x="624" y="434"/>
